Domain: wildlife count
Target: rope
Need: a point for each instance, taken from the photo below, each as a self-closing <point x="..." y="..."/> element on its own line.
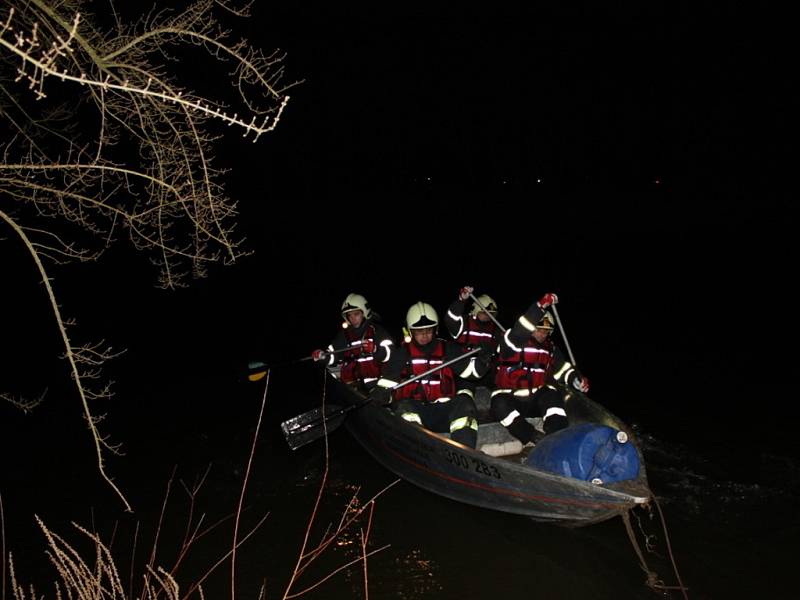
<point x="652" y="577"/>
<point x="669" y="549"/>
<point x="653" y="581"/>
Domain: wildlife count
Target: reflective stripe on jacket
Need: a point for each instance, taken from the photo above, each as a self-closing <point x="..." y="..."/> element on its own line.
<point x="527" y="368"/>
<point x="476" y="333"/>
<point x="357" y="364"/>
<point x="436" y="385"/>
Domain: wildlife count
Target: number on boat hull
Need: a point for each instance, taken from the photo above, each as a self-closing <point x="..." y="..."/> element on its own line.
<point x="472" y="464"/>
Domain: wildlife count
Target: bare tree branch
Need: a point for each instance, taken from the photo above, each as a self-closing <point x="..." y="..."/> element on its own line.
<point x="102" y="138"/>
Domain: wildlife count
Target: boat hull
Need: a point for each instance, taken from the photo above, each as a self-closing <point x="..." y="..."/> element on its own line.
<point x="447" y="468"/>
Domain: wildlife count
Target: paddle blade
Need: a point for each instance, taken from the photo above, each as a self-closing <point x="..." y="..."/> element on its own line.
<point x="310" y="426"/>
<point x="256" y="370"/>
<point x="257" y="376"/>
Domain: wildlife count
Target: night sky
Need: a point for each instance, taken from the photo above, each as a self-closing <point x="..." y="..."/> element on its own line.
<point x="569" y="97"/>
<point x="643" y="153"/>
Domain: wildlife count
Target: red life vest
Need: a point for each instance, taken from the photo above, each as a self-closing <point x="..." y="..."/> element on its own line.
<point x="528" y="369"/>
<point x="358" y="365"/>
<point x="477" y="333"/>
<point x="436" y="385"/>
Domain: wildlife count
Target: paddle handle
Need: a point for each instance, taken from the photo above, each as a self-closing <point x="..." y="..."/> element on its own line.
<point x="563" y="335"/>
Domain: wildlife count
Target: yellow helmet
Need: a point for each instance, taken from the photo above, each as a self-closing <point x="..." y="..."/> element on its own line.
<point x="421" y="315"/>
<point x="546" y="322"/>
<point x="487" y="303"/>
<point x="356" y="302"/>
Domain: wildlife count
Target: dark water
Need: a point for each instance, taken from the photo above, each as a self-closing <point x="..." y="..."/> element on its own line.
<point x="662" y="346"/>
<point x="731" y="532"/>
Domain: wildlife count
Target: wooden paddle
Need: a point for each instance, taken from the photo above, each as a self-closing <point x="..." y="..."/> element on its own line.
<point x="312" y="425"/>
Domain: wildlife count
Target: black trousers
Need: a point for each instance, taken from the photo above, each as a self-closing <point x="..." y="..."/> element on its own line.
<point x="456" y="417"/>
<point x="546" y="402"/>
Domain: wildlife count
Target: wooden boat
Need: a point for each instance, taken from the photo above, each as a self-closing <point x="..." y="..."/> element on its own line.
<point x="505" y="483"/>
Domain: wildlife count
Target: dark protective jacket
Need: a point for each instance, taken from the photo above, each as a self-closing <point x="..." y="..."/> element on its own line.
<point x="469" y="331"/>
<point x="524" y="363"/>
<point x="412" y="359"/>
<point x="356" y="364"/>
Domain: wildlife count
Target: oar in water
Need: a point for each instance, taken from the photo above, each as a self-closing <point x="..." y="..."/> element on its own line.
<point x="312" y="425"/>
<point x="256" y="370"/>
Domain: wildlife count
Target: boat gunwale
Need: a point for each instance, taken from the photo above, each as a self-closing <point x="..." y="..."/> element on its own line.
<point x="618" y="498"/>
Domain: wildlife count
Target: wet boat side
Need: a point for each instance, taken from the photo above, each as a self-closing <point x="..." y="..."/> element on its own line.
<point x="442" y="466"/>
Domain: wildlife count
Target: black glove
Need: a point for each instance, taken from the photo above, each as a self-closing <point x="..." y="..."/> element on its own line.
<point x="381" y="396"/>
<point x="486" y="353"/>
<point x="483" y="360"/>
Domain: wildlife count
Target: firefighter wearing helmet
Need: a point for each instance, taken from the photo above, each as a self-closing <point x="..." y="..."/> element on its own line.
<point x="435" y="401"/>
<point x="361" y="347"/>
<point x="356" y="302"/>
<point x="529" y="368"/>
<point x="478" y="329"/>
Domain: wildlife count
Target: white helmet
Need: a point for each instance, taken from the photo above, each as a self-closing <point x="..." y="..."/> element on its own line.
<point x="421" y="315"/>
<point x="356" y="302"/>
<point x="487" y="303"/>
<point x="546" y="322"/>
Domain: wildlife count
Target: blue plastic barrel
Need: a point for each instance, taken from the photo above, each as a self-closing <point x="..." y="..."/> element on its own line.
<point x="587" y="451"/>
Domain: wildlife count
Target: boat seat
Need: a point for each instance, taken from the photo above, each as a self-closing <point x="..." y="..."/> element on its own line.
<point x="495" y="440"/>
